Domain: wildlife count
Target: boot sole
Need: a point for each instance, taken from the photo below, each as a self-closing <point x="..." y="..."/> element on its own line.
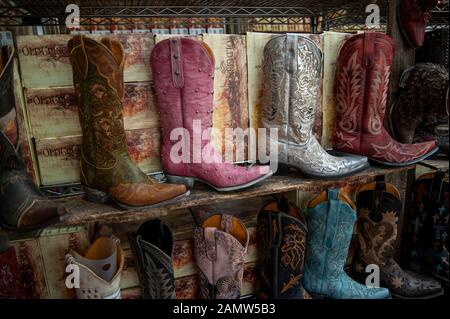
<point x="423" y="157"/>
<point x="190" y="181"/>
<point x="331" y="177"/>
<point x="97" y="196"/>
<point x="430" y="296"/>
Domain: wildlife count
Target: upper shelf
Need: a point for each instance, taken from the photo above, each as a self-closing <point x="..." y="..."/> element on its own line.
<point x="82" y="211"/>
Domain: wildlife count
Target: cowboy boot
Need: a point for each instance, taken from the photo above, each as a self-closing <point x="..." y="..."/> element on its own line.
<point x="282" y="243"/>
<point x="363" y="69"/>
<point x="292" y="71"/>
<point x="429" y="225"/>
<point x="99" y="269"/>
<point x="413" y="18"/>
<point x="106" y="167"/>
<point x="10" y="286"/>
<point x="331" y="217"/>
<point x="183" y="72"/>
<point x="152" y="246"/>
<point x="425" y="88"/>
<point x="23" y="207"/>
<point x="220" y="245"/>
<point x="379" y="208"/>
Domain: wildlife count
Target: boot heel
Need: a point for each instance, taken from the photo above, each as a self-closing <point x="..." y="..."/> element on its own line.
<point x="188" y="181"/>
<point x="96" y="196"/>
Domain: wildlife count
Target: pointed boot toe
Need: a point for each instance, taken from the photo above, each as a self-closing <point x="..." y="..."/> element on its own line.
<point x="42" y="213"/>
<point x="147" y="194"/>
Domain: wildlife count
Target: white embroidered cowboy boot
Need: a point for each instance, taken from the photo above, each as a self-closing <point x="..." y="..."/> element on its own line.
<point x="292" y="71"/>
<point x="99" y="269"/>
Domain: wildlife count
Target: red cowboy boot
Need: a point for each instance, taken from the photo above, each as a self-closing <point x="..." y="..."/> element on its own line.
<point x="183" y="72"/>
<point x="363" y="70"/>
<point x="413" y="18"/>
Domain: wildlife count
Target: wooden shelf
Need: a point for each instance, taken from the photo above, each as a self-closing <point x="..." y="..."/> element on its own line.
<point x="82" y="211"/>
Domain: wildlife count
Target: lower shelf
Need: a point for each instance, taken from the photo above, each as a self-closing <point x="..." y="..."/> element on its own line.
<point x="82" y="211"/>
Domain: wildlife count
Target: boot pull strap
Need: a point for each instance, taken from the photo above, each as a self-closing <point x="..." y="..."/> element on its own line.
<point x="369" y="49"/>
<point x="176" y="62"/>
<point x="226" y="223"/>
<point x="210" y="243"/>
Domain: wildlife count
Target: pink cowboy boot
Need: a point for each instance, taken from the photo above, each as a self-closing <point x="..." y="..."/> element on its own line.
<point x="183" y="72"/>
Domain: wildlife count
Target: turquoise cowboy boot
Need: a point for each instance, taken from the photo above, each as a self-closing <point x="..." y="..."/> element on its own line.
<point x="331" y="218"/>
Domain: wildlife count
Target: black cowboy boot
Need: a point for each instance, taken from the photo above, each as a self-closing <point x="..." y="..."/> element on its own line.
<point x="282" y="242"/>
<point x="429" y="225"/>
<point x="22" y="205"/>
<point x="152" y="245"/>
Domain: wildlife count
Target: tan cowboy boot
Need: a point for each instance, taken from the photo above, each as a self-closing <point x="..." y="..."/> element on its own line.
<point x="106" y="168"/>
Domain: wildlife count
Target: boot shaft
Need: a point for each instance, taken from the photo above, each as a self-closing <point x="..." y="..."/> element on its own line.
<point x="6" y="71"/>
<point x="282" y="243"/>
<point x="378" y="205"/>
<point x="99" y="269"/>
<point x="183" y="71"/>
<point x="424" y="92"/>
<point x="363" y="70"/>
<point x="330" y="229"/>
<point x="98" y="79"/>
<point x="220" y="247"/>
<point x="292" y="71"/>
<point x="152" y="245"/>
<point x="8" y="121"/>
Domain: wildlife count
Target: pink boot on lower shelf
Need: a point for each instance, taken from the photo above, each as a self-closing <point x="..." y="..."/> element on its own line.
<point x="183" y="73"/>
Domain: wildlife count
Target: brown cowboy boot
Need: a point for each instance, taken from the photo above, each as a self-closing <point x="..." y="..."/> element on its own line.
<point x="425" y="91"/>
<point x="379" y="208"/>
<point x="23" y="207"/>
<point x="106" y="167"/>
<point x="220" y="246"/>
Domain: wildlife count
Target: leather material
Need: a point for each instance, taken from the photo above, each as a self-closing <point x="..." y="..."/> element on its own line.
<point x="184" y="91"/>
<point x="282" y="236"/>
<point x="23" y="205"/>
<point x="10" y="287"/>
<point x="8" y="121"/>
<point x="93" y="281"/>
<point x="363" y="70"/>
<point x="377" y="229"/>
<point x="292" y="69"/>
<point x="330" y="228"/>
<point x="413" y="18"/>
<point x="428" y="231"/>
<point x="220" y="257"/>
<point x="152" y="245"/>
<point x="424" y="92"/>
<point x="435" y="48"/>
<point x="105" y="162"/>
